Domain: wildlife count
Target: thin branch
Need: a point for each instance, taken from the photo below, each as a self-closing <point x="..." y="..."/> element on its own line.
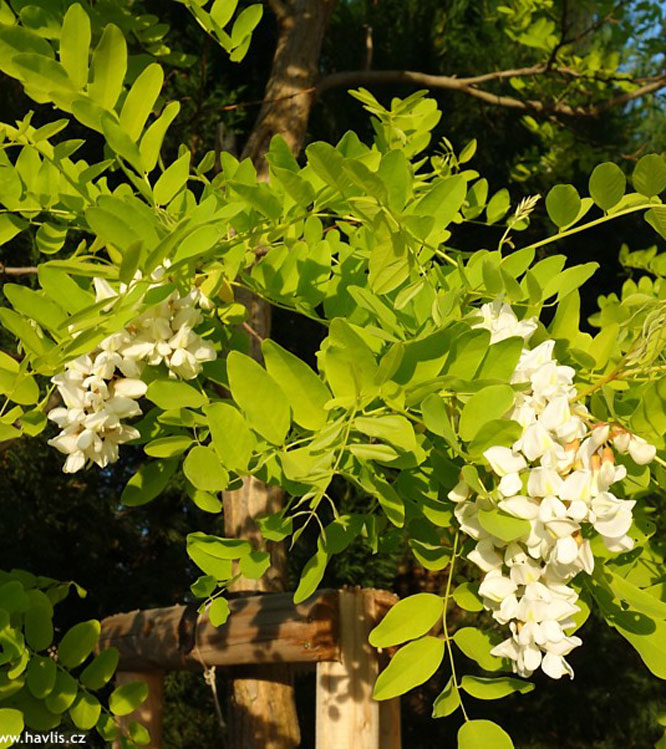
<point x="20" y="271"/>
<point x="468" y="86"/>
<point x="249" y="329"/>
<point x="463" y="85"/>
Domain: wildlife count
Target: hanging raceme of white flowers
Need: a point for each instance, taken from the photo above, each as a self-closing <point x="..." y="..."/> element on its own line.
<point x="557" y="477"/>
<point x="101" y="388"/>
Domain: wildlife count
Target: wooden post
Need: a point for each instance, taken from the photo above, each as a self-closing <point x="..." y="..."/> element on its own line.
<point x="149" y="713"/>
<point x="346" y="713"/>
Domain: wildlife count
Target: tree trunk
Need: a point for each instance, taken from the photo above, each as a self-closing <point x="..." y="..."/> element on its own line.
<point x="262" y="707"/>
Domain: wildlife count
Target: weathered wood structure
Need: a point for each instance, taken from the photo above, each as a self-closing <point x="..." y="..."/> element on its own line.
<point x="329" y="630"/>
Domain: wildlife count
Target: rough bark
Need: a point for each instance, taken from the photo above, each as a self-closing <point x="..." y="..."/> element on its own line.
<point x="262" y="707"/>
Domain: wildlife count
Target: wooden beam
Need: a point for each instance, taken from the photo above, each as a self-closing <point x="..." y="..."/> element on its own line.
<point x="261" y="629"/>
<point x="346" y="713"/>
<point x="150" y="712"/>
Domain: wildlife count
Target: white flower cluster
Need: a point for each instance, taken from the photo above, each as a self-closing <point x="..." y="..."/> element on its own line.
<point x="557" y="477"/>
<point x="101" y="388"/>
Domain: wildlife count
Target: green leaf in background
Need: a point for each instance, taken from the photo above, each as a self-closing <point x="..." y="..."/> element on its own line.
<point x="477" y="645"/>
<point x="168" y="447"/>
<point x="394" y="429"/>
<point x="503" y="526"/>
<point x="563" y="204"/>
<point x="491" y="402"/>
<point x="140" y="100"/>
<point x="78" y="643"/>
<point x="312" y="574"/>
<point x="101" y="669"/>
<point x="413" y="664"/>
<point x="467" y="597"/>
<point x="406" y="620"/>
<point x="151" y="141"/>
<point x="172" y="180"/>
<point x="649" y="175"/>
<point x="259" y="395"/>
<point x="38" y="627"/>
<point x="203" y="469"/>
<point x="498" y="205"/>
<point x="109" y="65"/>
<point x="168" y="394"/>
<point x="63" y="694"/>
<point x="85" y="711"/>
<point x="218" y="612"/>
<point x="483" y="734"/>
<point x="41" y="676"/>
<point x="305" y="391"/>
<point x="254" y="564"/>
<point x="148" y="482"/>
<point x="607" y="185"/>
<point x="484" y="688"/>
<point x="447" y="701"/>
<point x="75" y="43"/>
<point x="126" y="698"/>
<point x="232" y="439"/>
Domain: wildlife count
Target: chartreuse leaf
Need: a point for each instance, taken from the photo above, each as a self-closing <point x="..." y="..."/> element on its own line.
<point x="503" y="526"/>
<point x="63" y="694"/>
<point x="639" y="600"/>
<point x="484" y="688"/>
<point x="126" y="698"/>
<point x="100" y="670"/>
<point x="467" y="597"/>
<point x="563" y="205"/>
<point x="74" y="44"/>
<point x="406" y="620"/>
<point x="203" y="469"/>
<point x="483" y="734"/>
<point x="139" y="733"/>
<point x="168" y="394"/>
<point x="148" y="482"/>
<point x="649" y="176"/>
<point x="38" y="627"/>
<point x="477" y="645"/>
<point x="501" y="432"/>
<point x="491" y="402"/>
<point x="172" y="180"/>
<point x="413" y="664"/>
<point x="312" y="574"/>
<point x="254" y="564"/>
<point x="11" y="724"/>
<point x="85" y="711"/>
<point x="607" y="185"/>
<point x="305" y="391"/>
<point x="107" y="727"/>
<point x="78" y="643"/>
<point x="232" y="439"/>
<point x="140" y="100"/>
<point x="498" y="205"/>
<point x="222" y="10"/>
<point x="109" y="65"/>
<point x="218" y="612"/>
<point x="41" y="676"/>
<point x="168" y="447"/>
<point x="259" y="395"/>
<point x="393" y="429"/>
<point x="152" y="139"/>
<point x="447" y="701"/>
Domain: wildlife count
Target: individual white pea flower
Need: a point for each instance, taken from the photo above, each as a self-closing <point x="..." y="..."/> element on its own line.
<point x="599" y="434"/>
<point x="543" y="482"/>
<point x="526" y="571"/>
<point x="506" y="610"/>
<point x="495" y="586"/>
<point x="467" y="515"/>
<point x="641" y="451"/>
<point x="122" y="407"/>
<point x="566" y="550"/>
<point x="531" y="360"/>
<point x="460" y="492"/>
<point x="520" y="506"/>
<point x="103" y="290"/>
<point x="510" y="485"/>
<point x="129" y="387"/>
<point x="524" y="410"/>
<point x="556" y="413"/>
<point x="610" y="516"/>
<point x="621" y="439"/>
<point x="105" y="363"/>
<point x="553" y="663"/>
<point x="503" y="460"/>
<point x="485" y="556"/>
<point x="535" y="442"/>
<point x="551" y="380"/>
<point x="619" y="544"/>
<point x="578" y="486"/>
<point x="184" y="364"/>
<point x="501" y="321"/>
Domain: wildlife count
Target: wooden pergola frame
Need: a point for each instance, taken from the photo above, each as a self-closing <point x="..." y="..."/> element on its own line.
<point x="329" y="630"/>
